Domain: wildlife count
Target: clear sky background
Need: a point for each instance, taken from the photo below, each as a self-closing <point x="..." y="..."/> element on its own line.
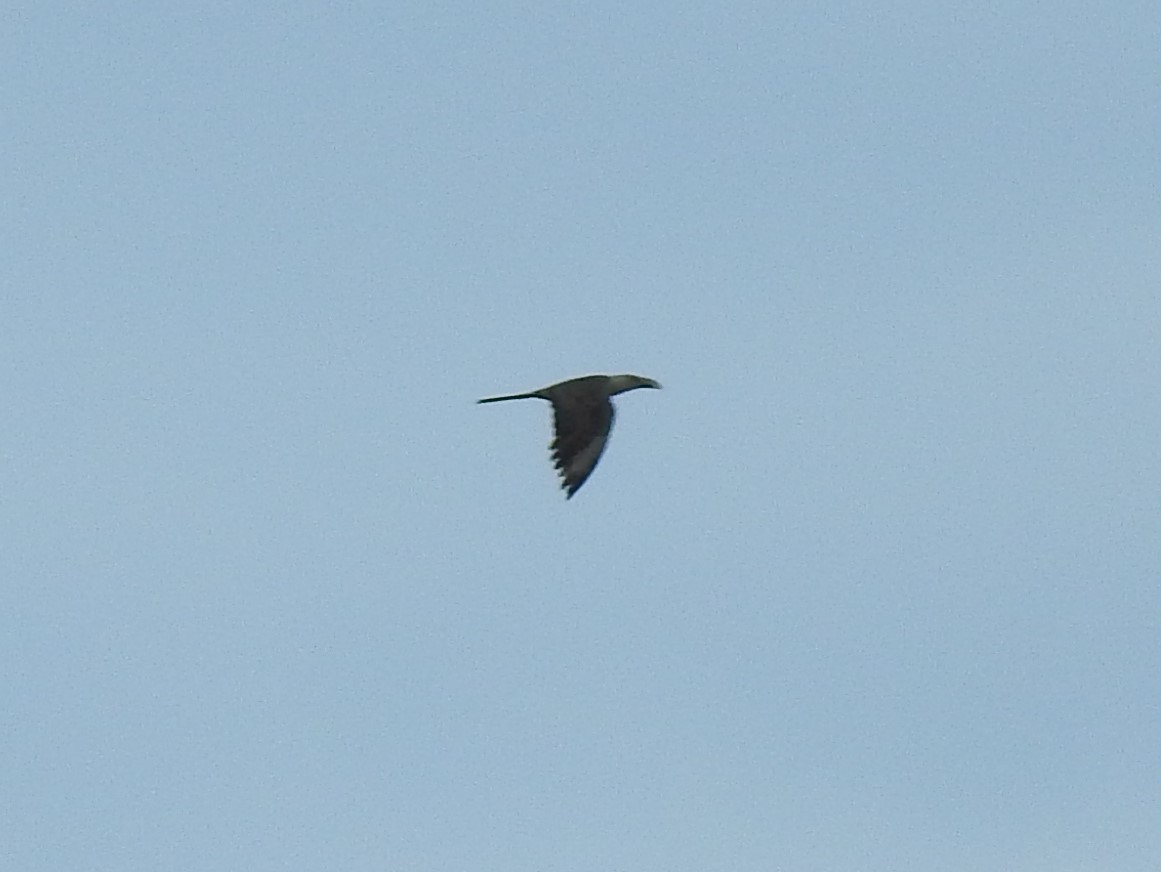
<point x="872" y="584"/>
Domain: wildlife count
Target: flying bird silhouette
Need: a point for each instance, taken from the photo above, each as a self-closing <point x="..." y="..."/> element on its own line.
<point x="582" y="419"/>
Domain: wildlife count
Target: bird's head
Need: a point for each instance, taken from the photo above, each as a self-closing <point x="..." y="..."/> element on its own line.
<point x="618" y="384"/>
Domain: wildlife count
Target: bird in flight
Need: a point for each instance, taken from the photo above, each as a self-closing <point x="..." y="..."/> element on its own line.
<point x="582" y="419"/>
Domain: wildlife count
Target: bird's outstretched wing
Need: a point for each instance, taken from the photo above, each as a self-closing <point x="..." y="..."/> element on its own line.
<point x="582" y="424"/>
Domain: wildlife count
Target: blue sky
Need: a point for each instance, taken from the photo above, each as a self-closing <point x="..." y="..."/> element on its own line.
<point x="870" y="585"/>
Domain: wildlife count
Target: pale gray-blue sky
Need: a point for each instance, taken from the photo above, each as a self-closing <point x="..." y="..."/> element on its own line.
<point x="871" y="585"/>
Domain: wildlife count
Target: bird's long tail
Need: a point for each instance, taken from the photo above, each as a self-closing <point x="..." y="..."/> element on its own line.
<point x="529" y="396"/>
